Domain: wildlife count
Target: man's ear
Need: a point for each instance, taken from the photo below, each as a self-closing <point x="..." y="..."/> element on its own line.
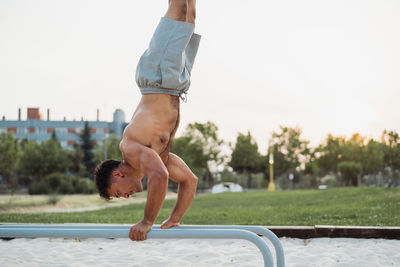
<point x="117" y="174"/>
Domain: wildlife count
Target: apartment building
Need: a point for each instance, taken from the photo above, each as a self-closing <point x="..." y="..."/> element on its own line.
<point x="37" y="129"/>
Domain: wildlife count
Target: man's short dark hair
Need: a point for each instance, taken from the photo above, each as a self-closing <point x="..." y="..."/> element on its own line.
<point x="102" y="175"/>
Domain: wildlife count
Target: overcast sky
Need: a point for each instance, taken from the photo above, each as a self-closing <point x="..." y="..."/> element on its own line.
<point x="326" y="66"/>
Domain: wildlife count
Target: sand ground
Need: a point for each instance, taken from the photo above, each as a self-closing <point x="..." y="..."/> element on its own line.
<point x="337" y="252"/>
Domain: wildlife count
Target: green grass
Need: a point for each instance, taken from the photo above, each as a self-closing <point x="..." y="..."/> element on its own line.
<point x="340" y="206"/>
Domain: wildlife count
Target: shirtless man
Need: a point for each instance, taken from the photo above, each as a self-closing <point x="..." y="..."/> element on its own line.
<point x="163" y="76"/>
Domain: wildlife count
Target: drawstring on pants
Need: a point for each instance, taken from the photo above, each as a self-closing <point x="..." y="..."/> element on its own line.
<point x="183" y="96"/>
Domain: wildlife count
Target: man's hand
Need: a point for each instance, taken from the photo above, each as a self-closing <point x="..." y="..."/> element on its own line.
<point x="169" y="223"/>
<point x="138" y="231"/>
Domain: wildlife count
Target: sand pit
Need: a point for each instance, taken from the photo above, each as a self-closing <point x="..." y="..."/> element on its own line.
<point x="174" y="252"/>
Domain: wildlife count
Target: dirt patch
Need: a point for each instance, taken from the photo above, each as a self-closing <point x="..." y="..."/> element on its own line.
<point x="24" y="203"/>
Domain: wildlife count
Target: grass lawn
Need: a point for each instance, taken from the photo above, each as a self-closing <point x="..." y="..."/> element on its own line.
<point x="339" y="206"/>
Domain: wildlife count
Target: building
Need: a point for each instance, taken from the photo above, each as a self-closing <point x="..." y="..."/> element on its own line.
<point x="67" y="132"/>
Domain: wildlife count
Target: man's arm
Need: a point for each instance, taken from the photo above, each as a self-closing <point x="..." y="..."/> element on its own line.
<point x="180" y="173"/>
<point x="150" y="163"/>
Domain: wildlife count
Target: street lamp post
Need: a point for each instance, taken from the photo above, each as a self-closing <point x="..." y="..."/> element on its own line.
<point x="271" y="185"/>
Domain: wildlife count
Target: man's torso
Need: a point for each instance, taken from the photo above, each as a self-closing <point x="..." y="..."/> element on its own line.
<point x="153" y="124"/>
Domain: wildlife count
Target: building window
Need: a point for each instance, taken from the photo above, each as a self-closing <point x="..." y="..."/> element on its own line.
<point x="61" y="130"/>
<point x="71" y="130"/>
<point x="50" y="130"/>
<point x="31" y="130"/>
<point x="78" y="130"/>
<point x="92" y="130"/>
<point x="106" y="130"/>
<point x="70" y="142"/>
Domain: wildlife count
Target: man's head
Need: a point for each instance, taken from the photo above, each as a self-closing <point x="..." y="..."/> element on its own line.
<point x="116" y="179"/>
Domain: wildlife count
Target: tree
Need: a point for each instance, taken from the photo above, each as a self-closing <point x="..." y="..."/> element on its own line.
<point x="289" y="149"/>
<point x="109" y="149"/>
<point x="54" y="157"/>
<point x="75" y="157"/>
<point x="372" y="157"/>
<point x="350" y="171"/>
<point x="8" y="156"/>
<point x="330" y="154"/>
<point x="245" y="157"/>
<point x="29" y="161"/>
<point x="87" y="148"/>
<point x="207" y="135"/>
<point x="312" y="169"/>
<point x="191" y="152"/>
<point x="354" y="148"/>
<point x="367" y="153"/>
<point x="38" y="160"/>
<point x="311" y="173"/>
<point x="391" y="149"/>
<point x="200" y="148"/>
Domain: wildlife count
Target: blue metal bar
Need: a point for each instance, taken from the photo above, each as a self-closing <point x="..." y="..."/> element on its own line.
<point x="280" y="257"/>
<point x="8" y="231"/>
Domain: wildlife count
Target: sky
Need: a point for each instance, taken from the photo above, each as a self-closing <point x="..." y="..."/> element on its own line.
<point x="325" y="66"/>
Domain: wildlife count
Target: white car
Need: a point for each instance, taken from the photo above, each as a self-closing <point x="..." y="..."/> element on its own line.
<point x="226" y="187"/>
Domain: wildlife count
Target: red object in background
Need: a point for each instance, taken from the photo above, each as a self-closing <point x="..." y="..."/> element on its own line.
<point x="34" y="114"/>
<point x="11" y="129"/>
<point x="70" y="142"/>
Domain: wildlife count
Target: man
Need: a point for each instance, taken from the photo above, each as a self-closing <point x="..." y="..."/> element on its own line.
<point x="163" y="76"/>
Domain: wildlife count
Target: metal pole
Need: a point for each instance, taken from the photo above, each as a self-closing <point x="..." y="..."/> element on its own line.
<point x="280" y="257"/>
<point x="271" y="185"/>
<point x="7" y="231"/>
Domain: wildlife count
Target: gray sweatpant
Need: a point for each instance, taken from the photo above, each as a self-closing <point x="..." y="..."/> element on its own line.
<point x="165" y="67"/>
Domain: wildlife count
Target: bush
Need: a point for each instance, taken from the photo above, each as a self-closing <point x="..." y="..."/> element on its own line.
<point x="57" y="183"/>
<point x="85" y="186"/>
<point x="300" y="181"/>
<point x="66" y="186"/>
<point x="54" y="180"/>
<point x="53" y="199"/>
<point x="40" y="187"/>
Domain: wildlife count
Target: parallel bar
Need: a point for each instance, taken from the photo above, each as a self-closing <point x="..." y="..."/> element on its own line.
<point x="280" y="258"/>
<point x="103" y="232"/>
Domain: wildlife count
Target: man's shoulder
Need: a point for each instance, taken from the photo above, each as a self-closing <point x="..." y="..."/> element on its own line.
<point x="129" y="145"/>
<point x="131" y="152"/>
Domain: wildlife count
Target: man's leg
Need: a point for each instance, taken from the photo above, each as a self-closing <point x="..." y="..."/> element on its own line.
<point x="177" y="10"/>
<point x="191" y="11"/>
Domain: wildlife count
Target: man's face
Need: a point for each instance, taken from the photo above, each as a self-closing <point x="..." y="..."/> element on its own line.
<point x="124" y="186"/>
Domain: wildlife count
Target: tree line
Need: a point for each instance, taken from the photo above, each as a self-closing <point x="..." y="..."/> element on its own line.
<point x="337" y="161"/>
<point x="46" y="167"/>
